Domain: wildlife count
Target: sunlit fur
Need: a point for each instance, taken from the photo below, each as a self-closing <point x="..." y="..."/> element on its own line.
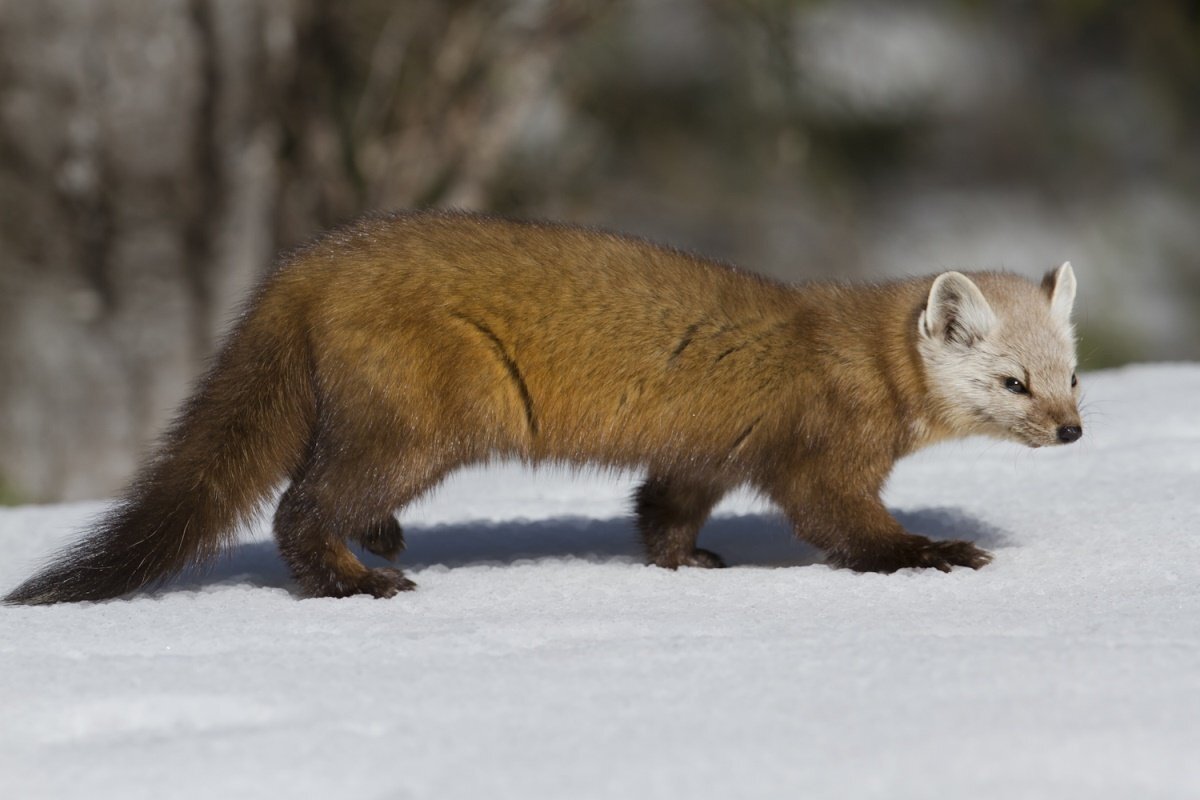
<point x="389" y="353"/>
<point x="990" y="327"/>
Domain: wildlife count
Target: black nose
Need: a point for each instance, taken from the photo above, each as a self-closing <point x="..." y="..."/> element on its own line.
<point x="1069" y="433"/>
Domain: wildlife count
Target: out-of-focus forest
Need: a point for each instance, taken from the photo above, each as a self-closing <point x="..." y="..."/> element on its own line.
<point x="155" y="156"/>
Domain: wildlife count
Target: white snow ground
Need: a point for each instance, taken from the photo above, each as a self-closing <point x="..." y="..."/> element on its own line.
<point x="539" y="659"/>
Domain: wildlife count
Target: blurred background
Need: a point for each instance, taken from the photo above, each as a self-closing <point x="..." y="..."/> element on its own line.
<point x="156" y="155"/>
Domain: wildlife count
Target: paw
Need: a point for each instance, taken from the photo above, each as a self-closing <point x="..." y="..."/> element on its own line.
<point x="383" y="582"/>
<point x="703" y="558"/>
<point x="946" y="555"/>
<point x="916" y="552"/>
<point x="385" y="539"/>
<point x="699" y="557"/>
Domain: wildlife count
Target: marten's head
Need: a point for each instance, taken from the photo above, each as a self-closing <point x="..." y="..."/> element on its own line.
<point x="999" y="355"/>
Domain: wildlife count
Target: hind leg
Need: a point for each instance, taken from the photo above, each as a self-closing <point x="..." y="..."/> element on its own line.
<point x="311" y="531"/>
<point x="347" y="490"/>
<point x="670" y="512"/>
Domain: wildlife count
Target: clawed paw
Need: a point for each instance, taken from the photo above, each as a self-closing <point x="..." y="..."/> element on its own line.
<point x="915" y="552"/>
<point x="946" y="555"/>
<point x="384" y="582"/>
<point x="699" y="557"/>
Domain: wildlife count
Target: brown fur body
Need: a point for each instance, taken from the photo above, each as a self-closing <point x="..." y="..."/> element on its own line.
<point x="387" y="354"/>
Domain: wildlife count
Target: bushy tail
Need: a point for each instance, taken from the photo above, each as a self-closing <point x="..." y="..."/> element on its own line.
<point x="243" y="430"/>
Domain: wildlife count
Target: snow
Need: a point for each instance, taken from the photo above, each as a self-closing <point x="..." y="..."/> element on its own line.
<point x="540" y="659"/>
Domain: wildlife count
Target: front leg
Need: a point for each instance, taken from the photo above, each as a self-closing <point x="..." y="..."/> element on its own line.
<point x="670" y="511"/>
<point x="856" y="531"/>
<point x="909" y="550"/>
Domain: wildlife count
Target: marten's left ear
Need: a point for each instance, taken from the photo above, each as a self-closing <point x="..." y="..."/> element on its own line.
<point x="1059" y="284"/>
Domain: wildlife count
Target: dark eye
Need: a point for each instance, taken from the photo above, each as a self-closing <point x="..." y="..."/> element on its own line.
<point x="1015" y="386"/>
<point x="1074" y="380"/>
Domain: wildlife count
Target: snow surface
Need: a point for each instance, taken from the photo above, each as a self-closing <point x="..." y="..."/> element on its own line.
<point x="540" y="659"/>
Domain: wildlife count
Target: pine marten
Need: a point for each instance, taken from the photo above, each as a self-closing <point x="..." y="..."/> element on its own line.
<point x="375" y="361"/>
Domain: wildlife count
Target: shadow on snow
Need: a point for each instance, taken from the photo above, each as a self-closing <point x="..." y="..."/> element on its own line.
<point x="748" y="540"/>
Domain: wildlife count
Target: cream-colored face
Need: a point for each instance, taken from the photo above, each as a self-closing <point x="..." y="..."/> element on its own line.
<point x="1000" y="360"/>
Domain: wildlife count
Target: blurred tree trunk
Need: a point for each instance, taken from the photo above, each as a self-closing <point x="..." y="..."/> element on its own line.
<point x="154" y="156"/>
<point x="137" y="200"/>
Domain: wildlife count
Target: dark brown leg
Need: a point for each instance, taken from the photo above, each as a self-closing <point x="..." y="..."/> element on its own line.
<point x="857" y="532"/>
<point x="347" y="490"/>
<point x="670" y="512"/>
<point x="311" y="531"/>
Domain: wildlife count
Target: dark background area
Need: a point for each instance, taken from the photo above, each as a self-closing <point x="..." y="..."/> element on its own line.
<point x="154" y="157"/>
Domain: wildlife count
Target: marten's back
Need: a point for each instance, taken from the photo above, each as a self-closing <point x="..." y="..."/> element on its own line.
<point x="573" y="343"/>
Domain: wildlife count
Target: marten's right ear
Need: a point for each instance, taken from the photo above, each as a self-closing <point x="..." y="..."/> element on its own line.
<point x="956" y="311"/>
<point x="1059" y="284"/>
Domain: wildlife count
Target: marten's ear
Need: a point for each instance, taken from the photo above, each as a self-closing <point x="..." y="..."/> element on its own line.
<point x="1059" y="284"/>
<point x="956" y="311"/>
